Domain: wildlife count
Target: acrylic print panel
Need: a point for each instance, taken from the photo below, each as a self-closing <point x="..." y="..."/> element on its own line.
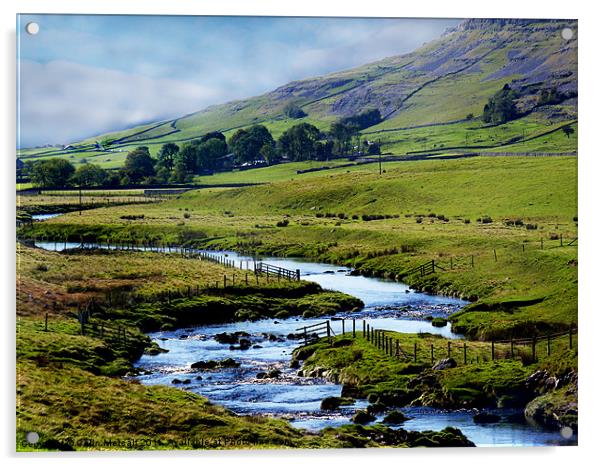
<point x="271" y="232"/>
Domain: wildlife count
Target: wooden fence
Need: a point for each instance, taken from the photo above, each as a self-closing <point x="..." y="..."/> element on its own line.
<point x="462" y="351"/>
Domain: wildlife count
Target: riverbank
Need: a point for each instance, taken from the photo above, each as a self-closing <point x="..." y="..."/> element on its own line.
<point x="507" y="243"/>
<point x="537" y="387"/>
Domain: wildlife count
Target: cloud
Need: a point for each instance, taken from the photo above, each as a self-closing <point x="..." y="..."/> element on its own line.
<point x="62" y="101"/>
<point x="85" y="75"/>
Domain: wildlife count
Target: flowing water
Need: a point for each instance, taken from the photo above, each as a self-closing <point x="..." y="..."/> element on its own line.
<point x="388" y="305"/>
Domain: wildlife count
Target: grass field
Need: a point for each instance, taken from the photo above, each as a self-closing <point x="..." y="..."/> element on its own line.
<point x="434" y="209"/>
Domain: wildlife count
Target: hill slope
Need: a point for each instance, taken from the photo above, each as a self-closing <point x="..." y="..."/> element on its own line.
<point x="436" y="86"/>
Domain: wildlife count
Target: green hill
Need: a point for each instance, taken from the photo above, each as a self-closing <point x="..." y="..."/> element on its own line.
<point x="425" y="97"/>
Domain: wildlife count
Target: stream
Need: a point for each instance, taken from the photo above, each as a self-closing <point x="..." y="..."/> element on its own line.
<point x="389" y="305"/>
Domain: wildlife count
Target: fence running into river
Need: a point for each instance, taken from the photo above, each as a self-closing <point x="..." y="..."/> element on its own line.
<point x="433" y="348"/>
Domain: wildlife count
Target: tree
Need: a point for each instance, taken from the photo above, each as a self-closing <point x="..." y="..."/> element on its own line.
<point x="51" y="173"/>
<point x="269" y="153"/>
<point x="299" y="142"/>
<point x="167" y="155"/>
<point x="500" y="108"/>
<point x="324" y="150"/>
<point x="292" y="110"/>
<point x="138" y="165"/>
<point x="89" y="175"/>
<point x="246" y="144"/>
<point x="180" y="172"/>
<point x="213" y="135"/>
<point x="568" y="130"/>
<point x="363" y="120"/>
<point x="342" y="134"/>
<point x="209" y="154"/>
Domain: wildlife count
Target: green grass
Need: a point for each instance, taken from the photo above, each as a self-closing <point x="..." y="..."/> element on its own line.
<point x="368" y="372"/>
<point x="525" y="289"/>
<point x="65" y="396"/>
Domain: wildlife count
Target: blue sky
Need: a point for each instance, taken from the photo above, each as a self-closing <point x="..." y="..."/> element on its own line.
<point x="84" y="75"/>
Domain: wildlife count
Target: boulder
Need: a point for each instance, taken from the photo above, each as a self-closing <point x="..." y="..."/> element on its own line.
<point x="376" y="408"/>
<point x="395" y="417"/>
<point x="330" y="403"/>
<point x="204" y="365"/>
<point x="447" y="363"/>
<point x="362" y="417"/>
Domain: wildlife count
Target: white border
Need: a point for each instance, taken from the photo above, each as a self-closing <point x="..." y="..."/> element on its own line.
<point x="590" y="154"/>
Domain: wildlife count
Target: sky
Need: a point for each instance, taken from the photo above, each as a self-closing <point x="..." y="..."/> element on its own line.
<point x="84" y="75"/>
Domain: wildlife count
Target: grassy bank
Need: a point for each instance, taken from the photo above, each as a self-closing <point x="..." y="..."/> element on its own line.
<point x="67" y="392"/>
<point x="498" y="228"/>
<point x="367" y="372"/>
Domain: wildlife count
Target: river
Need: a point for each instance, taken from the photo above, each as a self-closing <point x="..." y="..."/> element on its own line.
<point x="388" y="305"/>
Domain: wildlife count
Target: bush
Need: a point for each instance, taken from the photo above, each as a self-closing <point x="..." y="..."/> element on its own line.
<point x="554" y="236"/>
<point x="282" y="223"/>
<point x="186" y="215"/>
<point x="418" y="219"/>
<point x="342" y="216"/>
<point x="466" y="221"/>
<point x="530" y="226"/>
<point x="354" y="217"/>
<point x="319" y="215"/>
<point x="485" y="219"/>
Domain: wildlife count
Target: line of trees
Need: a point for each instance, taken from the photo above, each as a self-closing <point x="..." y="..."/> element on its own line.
<point x="253" y="146"/>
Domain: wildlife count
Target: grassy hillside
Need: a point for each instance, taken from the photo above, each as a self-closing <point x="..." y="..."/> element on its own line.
<point x="440" y="83"/>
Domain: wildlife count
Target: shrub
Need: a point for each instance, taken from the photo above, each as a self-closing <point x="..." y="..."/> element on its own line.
<point x="282" y="223"/>
<point x="418" y="219"/>
<point x="354" y="217"/>
<point x="42" y="268"/>
<point x="342" y="216"/>
<point x="319" y="215"/>
<point x="466" y="221"/>
<point x="186" y="215"/>
<point x="530" y="226"/>
<point x="485" y="219"/>
<point x="432" y="215"/>
<point x="554" y="236"/>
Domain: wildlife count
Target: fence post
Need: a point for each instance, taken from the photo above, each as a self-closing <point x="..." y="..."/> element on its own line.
<point x="561" y="240"/>
<point x="492" y="350"/>
<point x="533" y="348"/>
<point x="548" y="344"/>
<point x="495" y="255"/>
<point x="464" y="353"/>
<point x="342" y="326"/>
<point x="353" y="328"/>
<point x="328" y="328"/>
<point x="46" y="323"/>
<point x="541" y="241"/>
<point x="432" y="354"/>
<point x="225" y="280"/>
<point x="415" y="352"/>
<point x="472" y="261"/>
<point x="451" y="263"/>
<point x="246" y="279"/>
<point x="298" y="272"/>
<point x="364" y="328"/>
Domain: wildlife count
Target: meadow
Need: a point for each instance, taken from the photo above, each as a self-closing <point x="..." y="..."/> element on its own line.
<point x="499" y="228"/>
